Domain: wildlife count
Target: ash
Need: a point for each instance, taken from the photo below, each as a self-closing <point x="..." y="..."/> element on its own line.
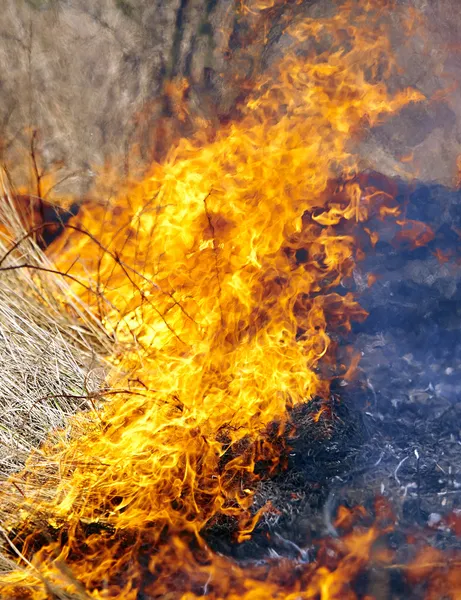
<point x="395" y="430"/>
<point x="411" y="364"/>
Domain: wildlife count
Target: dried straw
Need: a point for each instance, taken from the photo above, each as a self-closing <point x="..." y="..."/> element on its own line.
<point x="50" y="345"/>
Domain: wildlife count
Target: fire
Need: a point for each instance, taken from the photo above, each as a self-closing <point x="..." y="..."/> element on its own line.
<point x="217" y="277"/>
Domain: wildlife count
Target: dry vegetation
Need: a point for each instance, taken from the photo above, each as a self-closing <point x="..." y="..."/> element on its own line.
<point x="50" y="347"/>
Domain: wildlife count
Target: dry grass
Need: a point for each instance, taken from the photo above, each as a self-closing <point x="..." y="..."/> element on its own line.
<point x="51" y="366"/>
<point x="50" y="350"/>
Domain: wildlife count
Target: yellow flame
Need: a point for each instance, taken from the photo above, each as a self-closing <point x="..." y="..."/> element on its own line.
<point x="221" y="327"/>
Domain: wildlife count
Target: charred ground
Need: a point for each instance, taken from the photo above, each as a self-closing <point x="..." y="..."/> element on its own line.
<point x="394" y="431"/>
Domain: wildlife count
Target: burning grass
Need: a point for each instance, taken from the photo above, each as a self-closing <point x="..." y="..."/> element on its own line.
<point x="220" y="275"/>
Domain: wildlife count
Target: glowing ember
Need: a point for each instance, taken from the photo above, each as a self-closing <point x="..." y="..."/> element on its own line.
<point x="217" y="275"/>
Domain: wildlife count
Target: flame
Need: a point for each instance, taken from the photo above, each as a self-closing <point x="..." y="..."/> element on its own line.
<point x="217" y="276"/>
<point x="414" y="233"/>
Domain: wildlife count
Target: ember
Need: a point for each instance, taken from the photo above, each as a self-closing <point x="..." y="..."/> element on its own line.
<point x="238" y="420"/>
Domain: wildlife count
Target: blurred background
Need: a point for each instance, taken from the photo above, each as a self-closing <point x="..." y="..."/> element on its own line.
<point x="86" y="84"/>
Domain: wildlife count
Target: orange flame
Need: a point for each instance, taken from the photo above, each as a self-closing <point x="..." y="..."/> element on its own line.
<point x="216" y="275"/>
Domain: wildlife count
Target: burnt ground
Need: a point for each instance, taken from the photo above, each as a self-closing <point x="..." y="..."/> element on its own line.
<point x="411" y="362"/>
<point x="395" y="430"/>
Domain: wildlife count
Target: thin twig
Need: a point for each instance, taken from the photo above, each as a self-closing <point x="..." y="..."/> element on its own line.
<point x="215" y="251"/>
